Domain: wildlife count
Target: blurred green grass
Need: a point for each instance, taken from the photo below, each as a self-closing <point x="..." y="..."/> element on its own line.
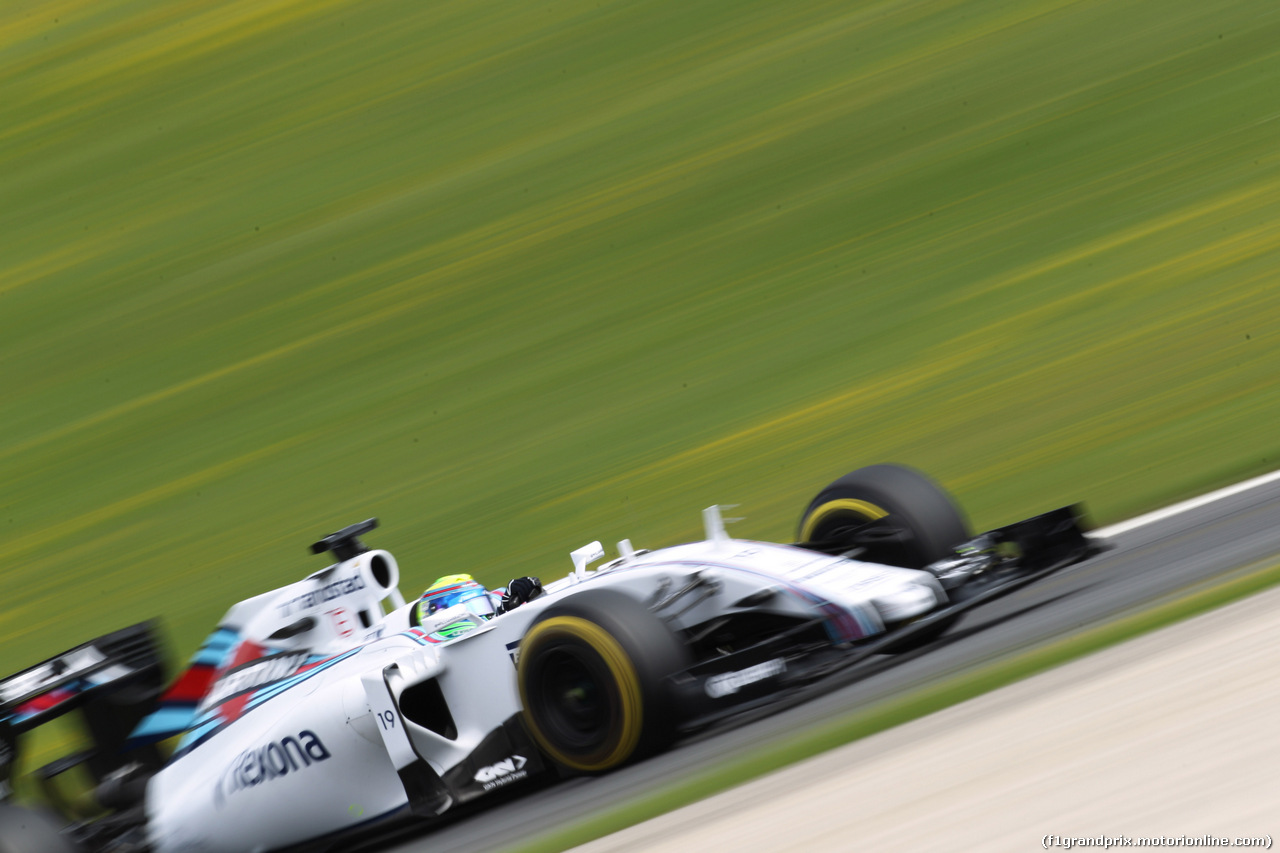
<point x="514" y="277"/>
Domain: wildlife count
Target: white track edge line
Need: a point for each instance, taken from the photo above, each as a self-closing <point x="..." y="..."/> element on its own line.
<point x="1190" y="504"/>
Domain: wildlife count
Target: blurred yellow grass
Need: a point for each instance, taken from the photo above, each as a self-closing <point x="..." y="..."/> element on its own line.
<point x="513" y="278"/>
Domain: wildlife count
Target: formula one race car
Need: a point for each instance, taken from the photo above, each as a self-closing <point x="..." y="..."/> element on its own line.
<point x="331" y="708"/>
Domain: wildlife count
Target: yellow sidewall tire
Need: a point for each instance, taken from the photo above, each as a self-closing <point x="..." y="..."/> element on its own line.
<point x="626" y="730"/>
<point x="910" y="520"/>
<point x="862" y="510"/>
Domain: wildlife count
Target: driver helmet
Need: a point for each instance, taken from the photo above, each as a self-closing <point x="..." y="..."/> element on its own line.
<point x="452" y="590"/>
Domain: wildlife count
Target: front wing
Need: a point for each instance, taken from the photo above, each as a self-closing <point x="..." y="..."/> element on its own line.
<point x="777" y="667"/>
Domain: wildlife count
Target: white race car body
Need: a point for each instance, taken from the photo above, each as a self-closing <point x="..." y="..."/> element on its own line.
<point x="328" y="708"/>
<point x="327" y="730"/>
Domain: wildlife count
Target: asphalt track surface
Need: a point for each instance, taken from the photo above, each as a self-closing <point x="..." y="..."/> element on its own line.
<point x="1159" y="558"/>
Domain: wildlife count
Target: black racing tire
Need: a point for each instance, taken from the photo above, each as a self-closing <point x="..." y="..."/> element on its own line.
<point x="593" y="681"/>
<point x="24" y="830"/>
<point x="925" y="522"/>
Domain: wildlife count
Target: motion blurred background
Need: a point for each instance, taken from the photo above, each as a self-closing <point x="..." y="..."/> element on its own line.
<point x="515" y="276"/>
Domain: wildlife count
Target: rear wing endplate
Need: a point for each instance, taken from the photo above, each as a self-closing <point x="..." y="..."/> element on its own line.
<point x="115" y="680"/>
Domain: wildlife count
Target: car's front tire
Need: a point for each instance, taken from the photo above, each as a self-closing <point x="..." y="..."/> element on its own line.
<point x="918" y="522"/>
<point x="913" y="522"/>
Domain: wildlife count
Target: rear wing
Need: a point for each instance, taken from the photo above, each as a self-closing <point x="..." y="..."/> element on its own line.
<point x="113" y="680"/>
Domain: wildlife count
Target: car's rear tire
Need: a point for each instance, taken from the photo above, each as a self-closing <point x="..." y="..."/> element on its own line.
<point x="593" y="681"/>
<point x="24" y="830"/>
<point x="919" y="522"/>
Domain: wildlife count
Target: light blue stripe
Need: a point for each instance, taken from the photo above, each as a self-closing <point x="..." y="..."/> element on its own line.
<point x="215" y="647"/>
<point x="164" y="721"/>
<point x="193" y="735"/>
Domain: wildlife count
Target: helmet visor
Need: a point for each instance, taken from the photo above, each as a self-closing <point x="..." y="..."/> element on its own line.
<point x="479" y="604"/>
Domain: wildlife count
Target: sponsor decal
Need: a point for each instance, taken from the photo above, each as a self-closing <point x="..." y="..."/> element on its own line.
<point x="251" y="675"/>
<point x="718" y="686"/>
<point x="328" y="592"/>
<point x="513" y="651"/>
<point x="504" y="772"/>
<point x="455" y="629"/>
<point x="341" y="621"/>
<point x="207" y="725"/>
<point x="36" y="679"/>
<point x="275" y="760"/>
